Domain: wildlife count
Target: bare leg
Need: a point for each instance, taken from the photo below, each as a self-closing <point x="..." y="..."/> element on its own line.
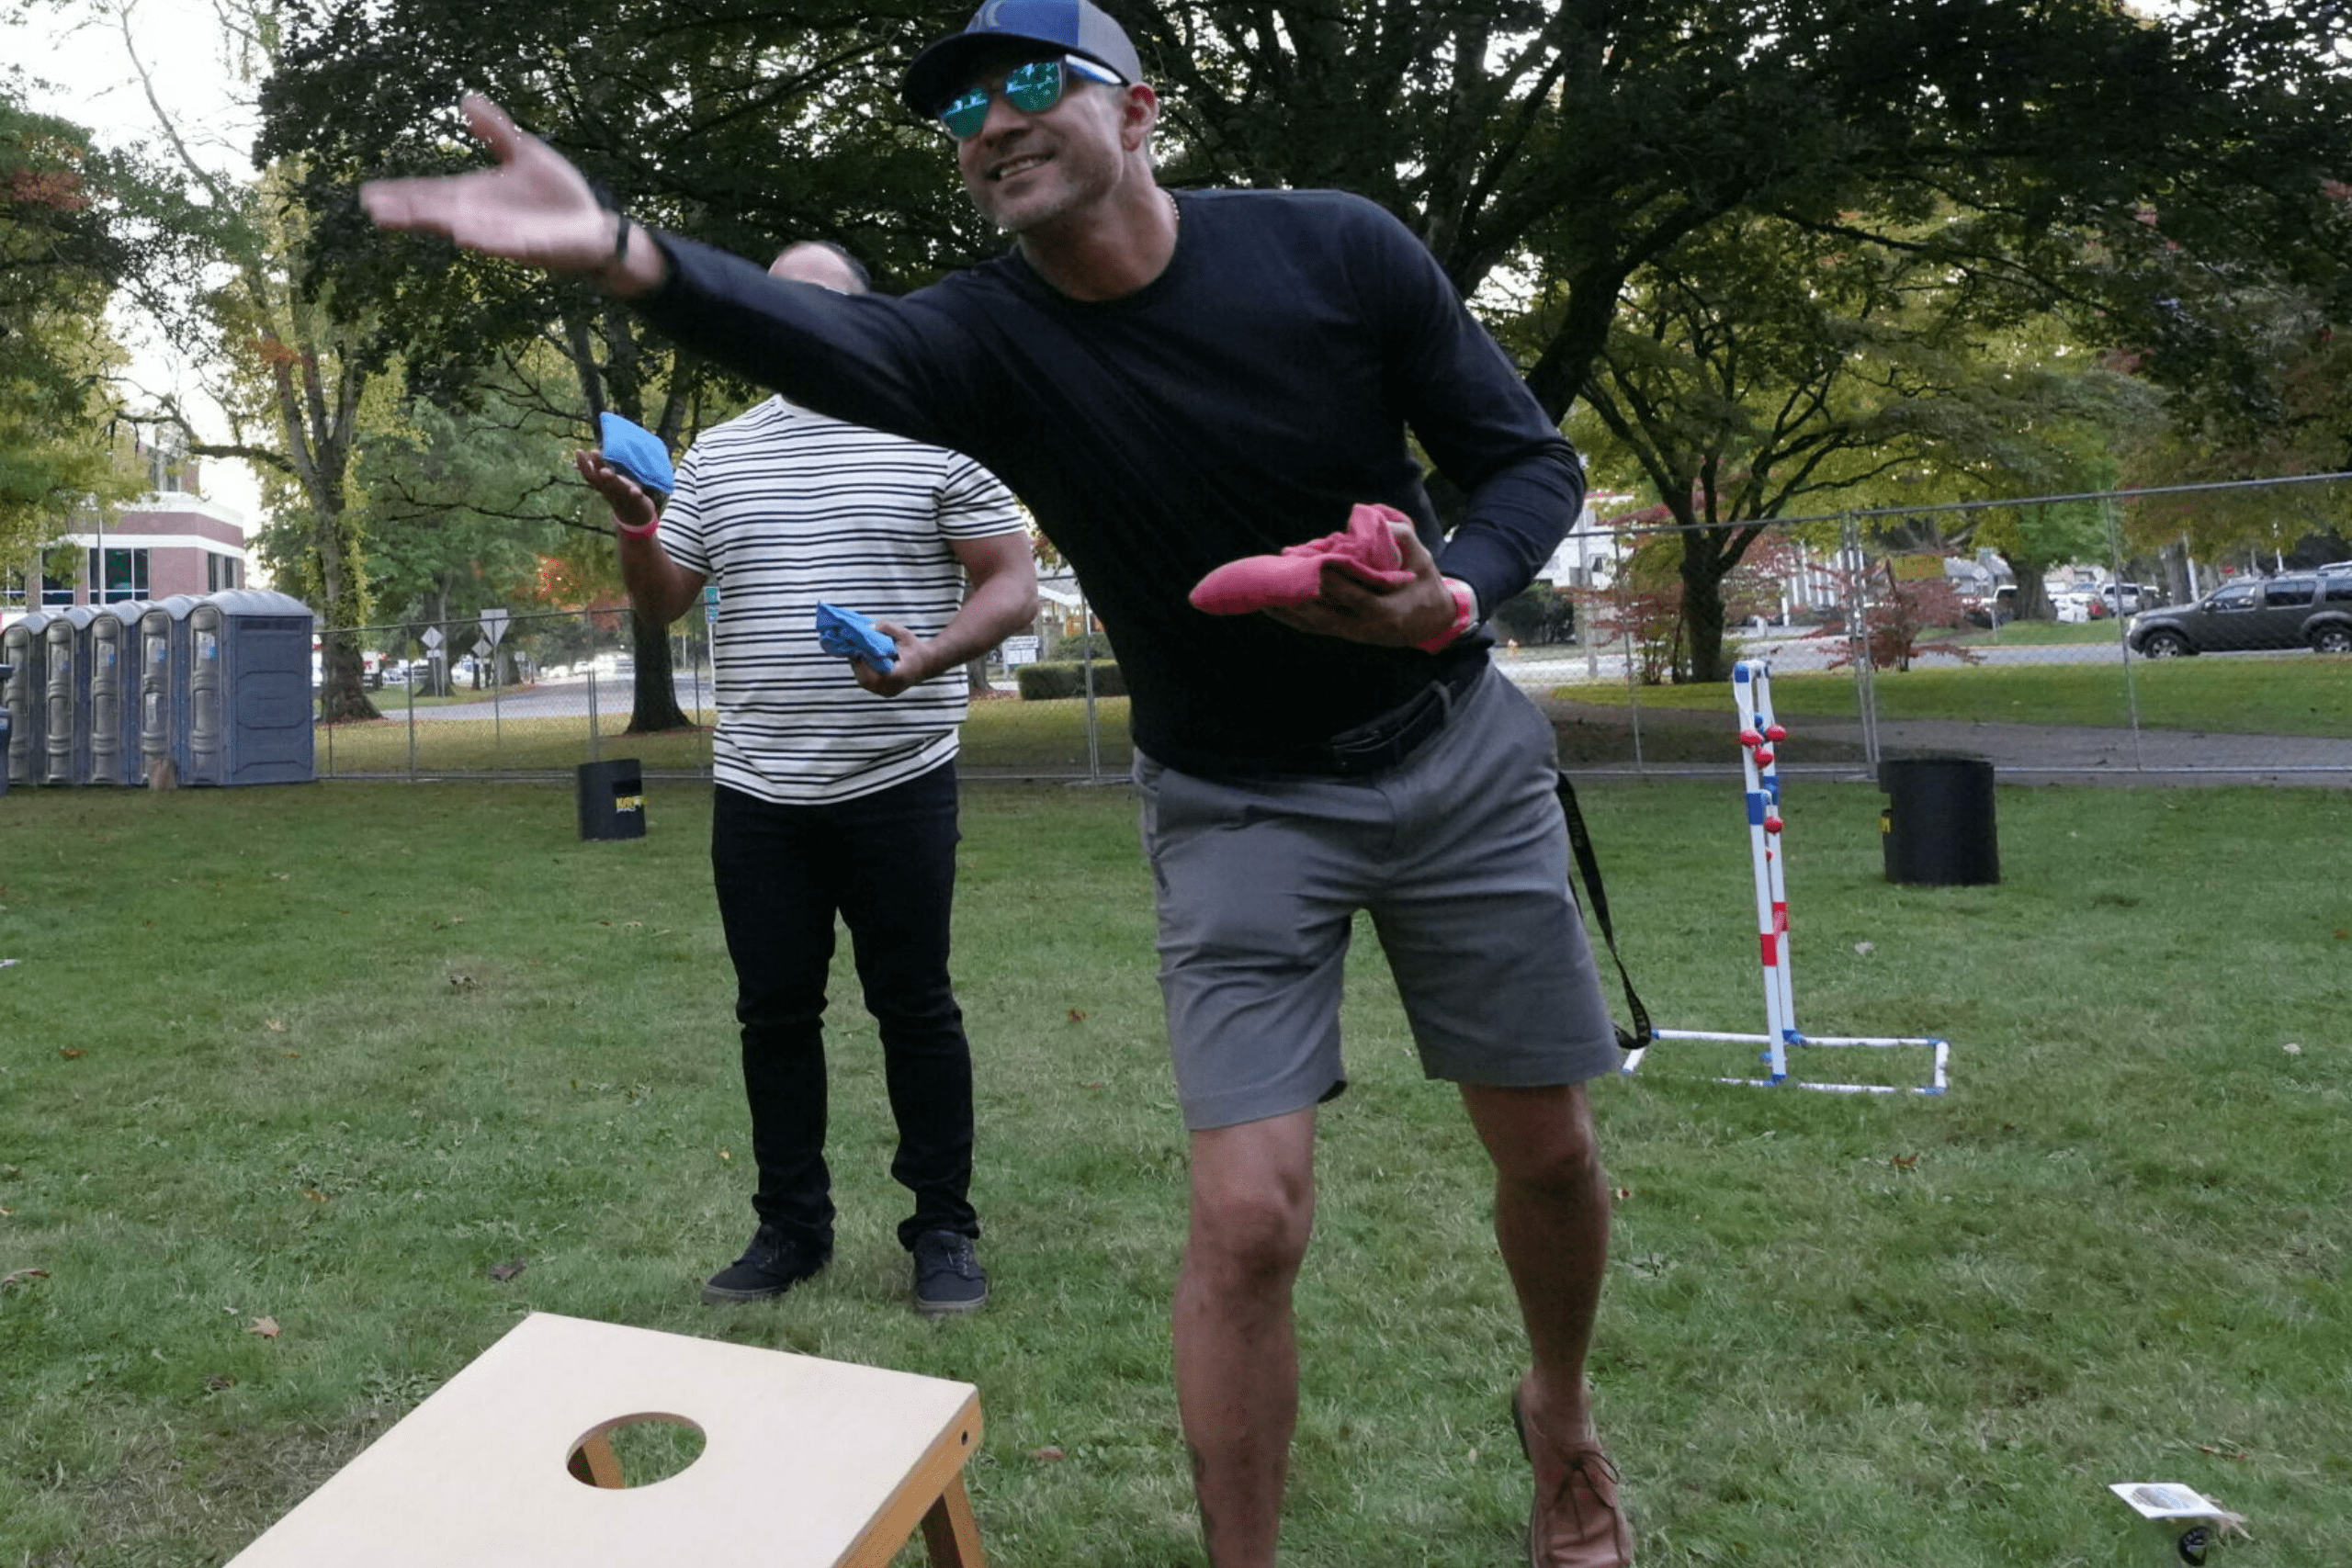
<point x="1237" y="1351"/>
<point x="1552" y="1222"/>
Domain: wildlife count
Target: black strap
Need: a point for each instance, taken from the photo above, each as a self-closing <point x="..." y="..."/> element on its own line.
<point x="1642" y="1035"/>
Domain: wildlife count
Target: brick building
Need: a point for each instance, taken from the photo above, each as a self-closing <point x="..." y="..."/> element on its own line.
<point x="172" y="540"/>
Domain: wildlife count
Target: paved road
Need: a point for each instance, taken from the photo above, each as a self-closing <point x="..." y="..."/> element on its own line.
<point x="547" y="699"/>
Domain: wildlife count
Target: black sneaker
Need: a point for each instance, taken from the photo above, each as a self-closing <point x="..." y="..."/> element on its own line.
<point x="948" y="1276"/>
<point x="771" y="1265"/>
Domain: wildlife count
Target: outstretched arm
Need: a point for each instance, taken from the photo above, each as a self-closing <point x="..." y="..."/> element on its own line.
<point x="533" y="208"/>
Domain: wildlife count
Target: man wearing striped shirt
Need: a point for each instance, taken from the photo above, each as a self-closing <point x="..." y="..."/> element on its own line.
<point x="836" y="785"/>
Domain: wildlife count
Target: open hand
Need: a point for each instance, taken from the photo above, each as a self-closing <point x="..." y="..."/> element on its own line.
<point x="632" y="508"/>
<point x="1403" y="616"/>
<point x="533" y="207"/>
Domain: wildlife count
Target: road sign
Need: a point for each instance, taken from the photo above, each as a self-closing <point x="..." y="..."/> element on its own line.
<point x="430" y="636"/>
<point x="482" y="646"/>
<point x="494" y="626"/>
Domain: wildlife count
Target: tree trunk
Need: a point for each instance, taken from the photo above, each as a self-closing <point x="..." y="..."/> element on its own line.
<point x="1702" y="616"/>
<point x="653" y="694"/>
<point x="343" y="678"/>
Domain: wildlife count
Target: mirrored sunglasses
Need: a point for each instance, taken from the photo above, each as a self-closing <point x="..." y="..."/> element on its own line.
<point x="1033" y="89"/>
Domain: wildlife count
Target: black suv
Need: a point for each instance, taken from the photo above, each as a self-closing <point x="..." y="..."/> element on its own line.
<point x="2305" y="609"/>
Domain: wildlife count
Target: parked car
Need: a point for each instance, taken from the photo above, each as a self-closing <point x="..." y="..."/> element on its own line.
<point x="2126" y="598"/>
<point x="2303" y="609"/>
<point x="2076" y="603"/>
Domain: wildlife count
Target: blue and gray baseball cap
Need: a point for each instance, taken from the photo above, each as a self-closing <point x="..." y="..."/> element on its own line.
<point x="1072" y="26"/>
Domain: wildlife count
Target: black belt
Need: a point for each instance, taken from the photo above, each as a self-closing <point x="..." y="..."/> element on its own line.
<point x="1385" y="741"/>
<point x="1374" y="746"/>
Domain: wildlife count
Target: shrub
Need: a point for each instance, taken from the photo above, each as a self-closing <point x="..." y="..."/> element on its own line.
<point x="1043" y="681"/>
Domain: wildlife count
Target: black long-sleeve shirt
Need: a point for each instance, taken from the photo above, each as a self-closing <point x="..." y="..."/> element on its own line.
<point x="1242" y="401"/>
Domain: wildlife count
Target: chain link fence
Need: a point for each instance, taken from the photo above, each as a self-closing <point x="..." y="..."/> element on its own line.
<point x="2064" y="638"/>
<point x="2059" y="637"/>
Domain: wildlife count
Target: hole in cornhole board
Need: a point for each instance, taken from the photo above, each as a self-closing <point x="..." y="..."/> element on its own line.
<point x="635" y="1450"/>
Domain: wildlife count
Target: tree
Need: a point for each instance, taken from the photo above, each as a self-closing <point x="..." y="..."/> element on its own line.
<point x="63" y="249"/>
<point x="293" y="372"/>
<point x="746" y="125"/>
<point x="1762" y="370"/>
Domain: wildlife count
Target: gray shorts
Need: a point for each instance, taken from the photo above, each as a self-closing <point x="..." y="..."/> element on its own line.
<point x="1460" y="855"/>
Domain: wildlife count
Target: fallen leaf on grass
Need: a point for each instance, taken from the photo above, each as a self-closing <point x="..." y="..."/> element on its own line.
<point x="314" y="1195"/>
<point x="273" y="1025"/>
<point x="15" y="1277"/>
<point x="265" y="1327"/>
<point x="68" y="1051"/>
<point x="1048" y="1453"/>
<point x="507" y="1270"/>
<point x="1078" y="1015"/>
<point x="1864" y="948"/>
<point x="1621" y="1193"/>
<point x="218" y="1381"/>
<point x="727" y="1156"/>
<point x="1905" y="1162"/>
<point x="2291" y="1049"/>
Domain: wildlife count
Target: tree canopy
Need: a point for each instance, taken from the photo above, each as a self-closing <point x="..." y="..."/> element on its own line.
<point x="2132" y="181"/>
<point x="66" y="242"/>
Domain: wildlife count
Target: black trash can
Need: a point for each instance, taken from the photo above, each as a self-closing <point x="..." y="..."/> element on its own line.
<point x="1937" y="826"/>
<point x="612" y="799"/>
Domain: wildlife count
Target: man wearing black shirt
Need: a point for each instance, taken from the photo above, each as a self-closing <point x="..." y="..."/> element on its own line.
<point x="1171" y="382"/>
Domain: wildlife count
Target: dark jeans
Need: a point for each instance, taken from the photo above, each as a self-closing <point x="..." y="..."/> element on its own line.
<point x="886" y="863"/>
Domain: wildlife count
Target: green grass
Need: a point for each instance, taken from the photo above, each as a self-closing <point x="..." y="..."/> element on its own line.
<point x="330" y="1055"/>
<point x="2303" y="695"/>
<point x="2044" y="634"/>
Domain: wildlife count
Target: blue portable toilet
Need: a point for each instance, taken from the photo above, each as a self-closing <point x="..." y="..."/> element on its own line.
<point x="249" y="689"/>
<point x="114" y="693"/>
<point x="163" y="685"/>
<point x="66" y="684"/>
<point x="24" y="648"/>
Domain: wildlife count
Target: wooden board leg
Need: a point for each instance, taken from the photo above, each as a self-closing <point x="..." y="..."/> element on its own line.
<point x="951" y="1537"/>
<point x="595" y="1462"/>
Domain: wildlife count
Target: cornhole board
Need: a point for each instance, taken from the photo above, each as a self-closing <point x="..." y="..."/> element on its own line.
<point x="824" y="1464"/>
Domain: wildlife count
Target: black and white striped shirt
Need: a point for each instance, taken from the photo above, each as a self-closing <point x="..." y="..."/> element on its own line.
<point x="782" y="508"/>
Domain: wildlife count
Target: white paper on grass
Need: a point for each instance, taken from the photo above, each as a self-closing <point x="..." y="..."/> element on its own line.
<point x="2169" y="1500"/>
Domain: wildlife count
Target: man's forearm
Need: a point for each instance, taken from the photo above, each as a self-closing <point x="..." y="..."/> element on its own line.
<point x="994" y="611"/>
<point x="660" y="589"/>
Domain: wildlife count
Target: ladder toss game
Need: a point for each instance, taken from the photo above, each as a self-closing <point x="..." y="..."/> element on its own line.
<point x="1759" y="734"/>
